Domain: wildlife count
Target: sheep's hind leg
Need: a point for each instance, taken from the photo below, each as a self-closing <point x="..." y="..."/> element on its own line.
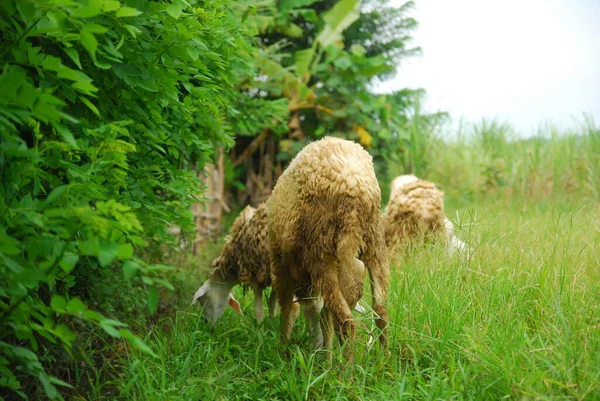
<point x="376" y="260"/>
<point x="327" y="328"/>
<point x="338" y="307"/>
<point x="285" y="297"/>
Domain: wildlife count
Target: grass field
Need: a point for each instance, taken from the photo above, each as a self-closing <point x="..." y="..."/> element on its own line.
<point x="518" y="319"/>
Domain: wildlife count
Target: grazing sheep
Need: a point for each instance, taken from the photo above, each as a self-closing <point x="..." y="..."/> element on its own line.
<point x="324" y="226"/>
<point x="415" y="211"/>
<point x="244" y="260"/>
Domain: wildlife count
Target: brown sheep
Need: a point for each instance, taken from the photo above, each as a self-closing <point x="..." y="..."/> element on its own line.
<point x="415" y="211"/>
<point x="324" y="227"/>
<point x="243" y="260"/>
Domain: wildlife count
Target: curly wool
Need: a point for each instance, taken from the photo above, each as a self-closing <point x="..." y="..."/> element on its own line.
<point x="415" y="210"/>
<point x="324" y="213"/>
<point x="245" y="256"/>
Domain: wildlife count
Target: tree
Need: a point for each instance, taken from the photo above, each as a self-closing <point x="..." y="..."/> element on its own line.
<point x="322" y="57"/>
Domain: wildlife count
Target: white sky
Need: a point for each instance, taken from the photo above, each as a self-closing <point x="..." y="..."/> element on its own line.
<point x="522" y="61"/>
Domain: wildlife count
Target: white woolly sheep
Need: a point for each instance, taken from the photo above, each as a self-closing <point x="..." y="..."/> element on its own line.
<point x="243" y="260"/>
<point x="325" y="227"/>
<point x="415" y="210"/>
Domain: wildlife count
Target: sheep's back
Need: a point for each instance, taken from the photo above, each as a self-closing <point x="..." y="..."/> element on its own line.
<point x="245" y="256"/>
<point x="324" y="200"/>
<point x="253" y="251"/>
<point x="413" y="209"/>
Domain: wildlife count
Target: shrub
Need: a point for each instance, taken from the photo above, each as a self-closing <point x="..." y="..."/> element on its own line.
<point x="105" y="108"/>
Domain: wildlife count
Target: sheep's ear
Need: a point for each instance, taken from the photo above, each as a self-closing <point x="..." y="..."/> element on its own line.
<point x="235" y="305"/>
<point x="201" y="292"/>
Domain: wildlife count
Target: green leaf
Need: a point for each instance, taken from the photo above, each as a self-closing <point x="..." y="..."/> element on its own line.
<point x="127" y="12"/>
<point x="58" y="303"/>
<point x="88" y="40"/>
<point x="66" y="134"/>
<point x="104" y="66"/>
<point x="194" y="53"/>
<point x="64" y="333"/>
<point x="56" y="193"/>
<point x="8" y="244"/>
<point x="52" y="63"/>
<point x="110" y="329"/>
<point x="107" y="254"/>
<point x="130" y="268"/>
<point x="85" y="87"/>
<point x="96" y="28"/>
<point x="26" y="9"/>
<point x="340" y="17"/>
<point x="85" y="12"/>
<point x="93" y="315"/>
<point x="31" y="278"/>
<point x="133" y="30"/>
<point x="90" y="105"/>
<point x="76" y="306"/>
<point x="59" y="382"/>
<point x="136" y="342"/>
<point x="111" y="5"/>
<point x="148" y="84"/>
<point x="89" y="248"/>
<point x="303" y="60"/>
<point x="124" y="251"/>
<point x="73" y="75"/>
<point x="73" y="55"/>
<point x="11" y="264"/>
<point x="174" y="10"/>
<point x="49" y="388"/>
<point x="152" y="300"/>
<point x="137" y="240"/>
<point x="68" y="262"/>
<point x="24" y="353"/>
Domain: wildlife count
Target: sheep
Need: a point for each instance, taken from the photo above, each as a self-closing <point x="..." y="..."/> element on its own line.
<point x="243" y="260"/>
<point x="324" y="227"/>
<point x="415" y="210"/>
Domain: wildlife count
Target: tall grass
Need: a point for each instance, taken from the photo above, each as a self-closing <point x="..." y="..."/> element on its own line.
<point x="491" y="160"/>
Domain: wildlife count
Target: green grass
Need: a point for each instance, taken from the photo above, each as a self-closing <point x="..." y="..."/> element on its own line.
<point x="518" y="319"/>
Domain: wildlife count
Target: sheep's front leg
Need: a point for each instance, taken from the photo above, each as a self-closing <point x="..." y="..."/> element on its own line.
<point x="258" y="305"/>
<point x="312" y="308"/>
<point x="272" y="303"/>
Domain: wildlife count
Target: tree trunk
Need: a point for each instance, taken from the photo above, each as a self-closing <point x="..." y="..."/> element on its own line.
<point x="207" y="215"/>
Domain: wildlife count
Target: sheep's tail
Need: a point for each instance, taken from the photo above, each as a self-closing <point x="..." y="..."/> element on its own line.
<point x="349" y="239"/>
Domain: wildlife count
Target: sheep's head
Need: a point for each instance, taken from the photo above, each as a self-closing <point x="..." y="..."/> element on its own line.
<point x="214" y="296"/>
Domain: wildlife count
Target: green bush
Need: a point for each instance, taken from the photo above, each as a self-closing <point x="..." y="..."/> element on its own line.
<point x="105" y="109"/>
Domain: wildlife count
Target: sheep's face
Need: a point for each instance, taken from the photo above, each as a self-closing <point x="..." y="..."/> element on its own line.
<point x="214" y="298"/>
